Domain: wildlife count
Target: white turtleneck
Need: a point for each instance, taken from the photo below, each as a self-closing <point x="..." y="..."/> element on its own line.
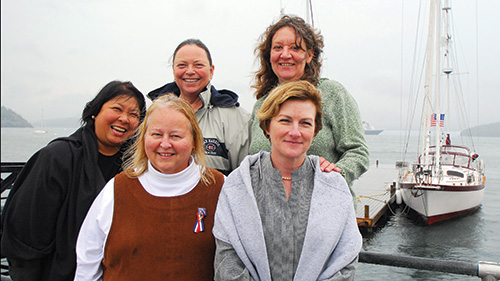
<point x="95" y="228"/>
<point x="169" y="185"/>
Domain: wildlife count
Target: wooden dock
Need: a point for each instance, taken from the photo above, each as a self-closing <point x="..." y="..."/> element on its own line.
<point x="374" y="190"/>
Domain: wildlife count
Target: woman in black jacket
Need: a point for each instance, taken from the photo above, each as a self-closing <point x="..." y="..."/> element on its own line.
<point x="50" y="198"/>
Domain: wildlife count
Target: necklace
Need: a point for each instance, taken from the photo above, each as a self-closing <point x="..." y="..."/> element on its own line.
<point x="286" y="178"/>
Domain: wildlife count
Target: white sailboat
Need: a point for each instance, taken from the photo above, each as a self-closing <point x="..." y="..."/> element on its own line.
<point x="41" y="130"/>
<point x="446" y="180"/>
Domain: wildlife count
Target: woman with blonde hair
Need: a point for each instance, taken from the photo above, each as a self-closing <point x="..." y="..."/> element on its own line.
<point x="278" y="216"/>
<point x="154" y="220"/>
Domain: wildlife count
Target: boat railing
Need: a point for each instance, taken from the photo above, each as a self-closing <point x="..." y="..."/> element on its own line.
<point x="452" y="149"/>
<point x="451" y="158"/>
<point x="485" y="270"/>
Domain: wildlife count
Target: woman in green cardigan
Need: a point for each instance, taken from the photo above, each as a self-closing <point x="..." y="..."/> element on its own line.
<point x="290" y="50"/>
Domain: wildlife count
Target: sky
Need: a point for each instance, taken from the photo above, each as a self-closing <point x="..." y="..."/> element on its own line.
<point x="56" y="55"/>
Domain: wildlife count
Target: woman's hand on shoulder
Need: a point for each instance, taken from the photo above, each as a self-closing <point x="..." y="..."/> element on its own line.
<point x="326" y="166"/>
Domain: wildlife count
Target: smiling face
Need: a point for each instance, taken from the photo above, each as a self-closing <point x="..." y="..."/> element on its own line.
<point x="291" y="131"/>
<point x="192" y="70"/>
<point x="115" y="123"/>
<point x="287" y="59"/>
<point x="168" y="144"/>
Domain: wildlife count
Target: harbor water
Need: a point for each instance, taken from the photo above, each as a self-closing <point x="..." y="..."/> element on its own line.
<point x="473" y="238"/>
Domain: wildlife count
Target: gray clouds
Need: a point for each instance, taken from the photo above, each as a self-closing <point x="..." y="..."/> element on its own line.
<point x="56" y="55"/>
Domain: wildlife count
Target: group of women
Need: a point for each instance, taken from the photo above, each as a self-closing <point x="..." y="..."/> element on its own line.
<point x="77" y="212"/>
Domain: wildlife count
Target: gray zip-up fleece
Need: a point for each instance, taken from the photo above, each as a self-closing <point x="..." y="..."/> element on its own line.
<point x="224" y="124"/>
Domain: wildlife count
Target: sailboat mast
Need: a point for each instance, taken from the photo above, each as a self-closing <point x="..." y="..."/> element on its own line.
<point x="427" y="107"/>
<point x="447" y="70"/>
<point x="309" y="13"/>
<point x="437" y="88"/>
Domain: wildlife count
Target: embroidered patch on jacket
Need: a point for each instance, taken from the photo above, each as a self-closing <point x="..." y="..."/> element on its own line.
<point x="215" y="148"/>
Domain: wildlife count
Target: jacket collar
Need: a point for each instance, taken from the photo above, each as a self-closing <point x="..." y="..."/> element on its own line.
<point x="223" y="98"/>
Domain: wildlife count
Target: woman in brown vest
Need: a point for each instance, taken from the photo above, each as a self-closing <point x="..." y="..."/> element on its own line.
<point x="154" y="220"/>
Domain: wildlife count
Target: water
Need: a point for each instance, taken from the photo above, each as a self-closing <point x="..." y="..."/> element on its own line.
<point x="18" y="144"/>
<point x="469" y="239"/>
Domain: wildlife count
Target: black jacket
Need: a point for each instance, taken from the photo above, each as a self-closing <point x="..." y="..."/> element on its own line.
<point x="47" y="205"/>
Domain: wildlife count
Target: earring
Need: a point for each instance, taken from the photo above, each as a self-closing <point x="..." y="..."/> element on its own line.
<point x="93" y="117"/>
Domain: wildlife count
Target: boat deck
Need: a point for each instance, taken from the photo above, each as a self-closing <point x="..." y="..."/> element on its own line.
<point x="374" y="190"/>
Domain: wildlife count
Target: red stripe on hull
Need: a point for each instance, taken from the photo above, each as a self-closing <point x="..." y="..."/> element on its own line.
<point x="442" y="217"/>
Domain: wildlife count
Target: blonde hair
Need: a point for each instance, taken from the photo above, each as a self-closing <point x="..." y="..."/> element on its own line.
<point x="136" y="160"/>
<point x="295" y="90"/>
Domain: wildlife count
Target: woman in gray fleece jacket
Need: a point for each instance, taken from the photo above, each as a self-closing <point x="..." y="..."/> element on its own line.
<point x="278" y="216"/>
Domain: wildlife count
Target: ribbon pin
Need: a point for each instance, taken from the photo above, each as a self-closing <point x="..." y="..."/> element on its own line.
<point x="199" y="227"/>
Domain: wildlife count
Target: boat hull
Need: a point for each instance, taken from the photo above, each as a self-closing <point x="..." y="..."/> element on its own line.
<point x="373" y="132"/>
<point x="437" y="202"/>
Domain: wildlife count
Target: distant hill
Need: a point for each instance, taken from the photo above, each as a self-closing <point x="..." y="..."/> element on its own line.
<point x="488" y="130"/>
<point x="12" y="119"/>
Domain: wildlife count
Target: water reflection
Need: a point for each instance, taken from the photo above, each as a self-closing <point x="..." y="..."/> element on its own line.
<point x="457" y="240"/>
<point x="447" y="240"/>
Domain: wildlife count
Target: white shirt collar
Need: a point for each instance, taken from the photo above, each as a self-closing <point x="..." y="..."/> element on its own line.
<point x="170" y="185"/>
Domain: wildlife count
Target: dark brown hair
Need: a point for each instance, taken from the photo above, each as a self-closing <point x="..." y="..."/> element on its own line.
<point x="112" y="90"/>
<point x="196" y="42"/>
<point x="265" y="78"/>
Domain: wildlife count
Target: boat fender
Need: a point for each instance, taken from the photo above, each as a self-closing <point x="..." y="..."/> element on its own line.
<point x="399" y="197"/>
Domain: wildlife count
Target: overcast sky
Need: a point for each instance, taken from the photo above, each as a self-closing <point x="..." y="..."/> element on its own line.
<point x="56" y="55"/>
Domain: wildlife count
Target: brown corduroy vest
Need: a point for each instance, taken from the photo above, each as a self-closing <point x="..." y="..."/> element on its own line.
<point x="152" y="238"/>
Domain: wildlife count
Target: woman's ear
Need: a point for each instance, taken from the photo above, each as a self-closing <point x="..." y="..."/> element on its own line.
<point x="310" y="55"/>
<point x="268" y="136"/>
<point x="212" y="68"/>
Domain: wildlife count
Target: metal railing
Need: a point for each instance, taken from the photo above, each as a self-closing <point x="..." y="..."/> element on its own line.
<point x="13" y="168"/>
<point x="485" y="270"/>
